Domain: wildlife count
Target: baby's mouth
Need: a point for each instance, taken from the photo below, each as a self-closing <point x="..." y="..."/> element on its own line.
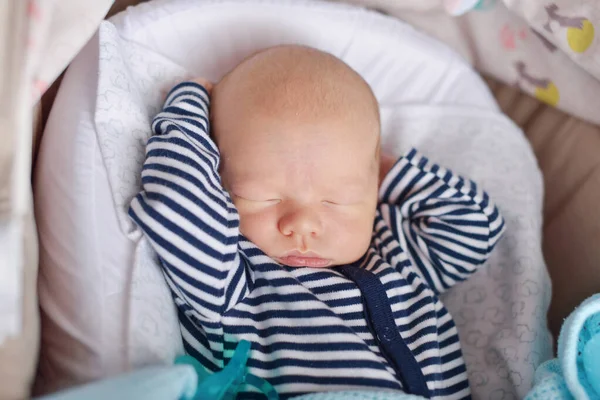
<point x="299" y="259"/>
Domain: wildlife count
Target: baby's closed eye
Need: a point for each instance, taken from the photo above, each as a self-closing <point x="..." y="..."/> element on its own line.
<point x="267" y="200"/>
<point x="345" y="197"/>
<point x="340" y="202"/>
<point x="257" y="199"/>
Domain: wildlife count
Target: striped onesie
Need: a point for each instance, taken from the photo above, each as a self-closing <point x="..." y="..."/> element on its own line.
<point x="375" y="324"/>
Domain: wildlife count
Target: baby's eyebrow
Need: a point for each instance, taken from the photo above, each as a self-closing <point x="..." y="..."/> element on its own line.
<point x="250" y="186"/>
<point x="353" y="184"/>
<point x="349" y="187"/>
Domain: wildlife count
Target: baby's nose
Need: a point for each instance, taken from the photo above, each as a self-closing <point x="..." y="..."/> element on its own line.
<point x="300" y="221"/>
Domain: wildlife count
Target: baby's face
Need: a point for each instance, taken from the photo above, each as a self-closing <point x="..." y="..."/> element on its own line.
<point x="298" y="133"/>
<point x="306" y="192"/>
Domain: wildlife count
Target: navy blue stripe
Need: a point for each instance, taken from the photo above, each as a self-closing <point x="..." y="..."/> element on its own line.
<point x="314" y="363"/>
<point x="390" y="340"/>
<point x="180" y="114"/>
<point x="334" y="380"/>
<point x="455" y="254"/>
<point x="276" y="282"/>
<point x="444" y="392"/>
<point x="176" y="271"/>
<point x="166" y="146"/>
<point x="184" y="235"/>
<point x="437" y="261"/>
<point x="285" y="298"/>
<point x="290" y="330"/>
<point x="445" y="227"/>
<point x="179" y="173"/>
<point x="406" y="196"/>
<point x="189" y="349"/>
<point x="425" y="272"/>
<point x="305" y="347"/>
<point x="282" y="313"/>
<point x="451" y="356"/>
<point x="388" y="192"/>
<point x="234" y="283"/>
<point x="445" y="327"/>
<point x="172" y="130"/>
<point x="185" y="213"/>
<point x="317" y="276"/>
<point x="182" y="89"/>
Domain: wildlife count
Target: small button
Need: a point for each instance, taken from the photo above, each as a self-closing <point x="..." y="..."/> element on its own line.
<point x="386" y="335"/>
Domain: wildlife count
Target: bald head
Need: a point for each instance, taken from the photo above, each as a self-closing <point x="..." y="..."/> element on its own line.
<point x="294" y="83"/>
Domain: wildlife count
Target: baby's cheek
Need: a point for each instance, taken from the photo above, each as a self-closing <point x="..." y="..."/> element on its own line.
<point x="353" y="233"/>
<point x="364" y="234"/>
<point x="257" y="226"/>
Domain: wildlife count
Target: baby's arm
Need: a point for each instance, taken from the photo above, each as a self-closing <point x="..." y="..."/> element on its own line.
<point x="447" y="224"/>
<point x="183" y="210"/>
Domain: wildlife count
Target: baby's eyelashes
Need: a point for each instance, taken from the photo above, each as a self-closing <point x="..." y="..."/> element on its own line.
<point x="274" y="201"/>
<point x="340" y="203"/>
<point x="269" y="201"/>
<point x="256" y="200"/>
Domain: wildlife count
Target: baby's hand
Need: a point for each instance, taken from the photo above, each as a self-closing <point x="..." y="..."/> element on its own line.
<point x="386" y="163"/>
<point x="201" y="81"/>
<point x="204" y="83"/>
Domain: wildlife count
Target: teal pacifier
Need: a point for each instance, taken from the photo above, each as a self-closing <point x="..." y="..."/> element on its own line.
<point x="225" y="384"/>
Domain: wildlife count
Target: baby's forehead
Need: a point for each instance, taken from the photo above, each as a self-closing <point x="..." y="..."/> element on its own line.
<point x="295" y="104"/>
<point x="325" y="168"/>
<point x="326" y="183"/>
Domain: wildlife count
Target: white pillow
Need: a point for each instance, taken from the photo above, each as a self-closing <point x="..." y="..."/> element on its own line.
<point x="105" y="306"/>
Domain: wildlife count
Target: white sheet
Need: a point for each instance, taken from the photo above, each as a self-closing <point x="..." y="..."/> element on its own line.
<point x="93" y="148"/>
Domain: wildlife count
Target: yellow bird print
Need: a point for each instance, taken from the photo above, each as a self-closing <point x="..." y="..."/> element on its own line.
<point x="545" y="90"/>
<point x="580" y="31"/>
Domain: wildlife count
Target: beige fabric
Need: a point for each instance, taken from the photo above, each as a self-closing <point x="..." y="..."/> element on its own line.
<point x="37" y="40"/>
<point x="568" y="152"/>
<point x="18" y="356"/>
<point x="19" y="320"/>
<point x="59" y="29"/>
<point x="50" y="91"/>
<point x="500" y="43"/>
<point x="13" y="166"/>
<point x="571" y="25"/>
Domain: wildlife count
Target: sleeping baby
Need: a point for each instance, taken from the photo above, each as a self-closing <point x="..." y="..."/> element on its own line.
<point x="272" y="225"/>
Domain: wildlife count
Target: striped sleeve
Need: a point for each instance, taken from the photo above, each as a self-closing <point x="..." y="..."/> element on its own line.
<point x="447" y="224"/>
<point x="184" y="211"/>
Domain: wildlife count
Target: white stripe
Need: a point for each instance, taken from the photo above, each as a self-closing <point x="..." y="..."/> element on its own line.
<point x="301" y="339"/>
<point x="189" y="337"/>
<point x="317" y="388"/>
<point x="310" y="355"/>
<point x="312" y="322"/>
<point x="365" y="373"/>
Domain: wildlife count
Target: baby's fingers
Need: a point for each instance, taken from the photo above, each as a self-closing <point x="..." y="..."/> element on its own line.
<point x="204" y="83"/>
<point x="201" y="81"/>
<point x="386" y="163"/>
